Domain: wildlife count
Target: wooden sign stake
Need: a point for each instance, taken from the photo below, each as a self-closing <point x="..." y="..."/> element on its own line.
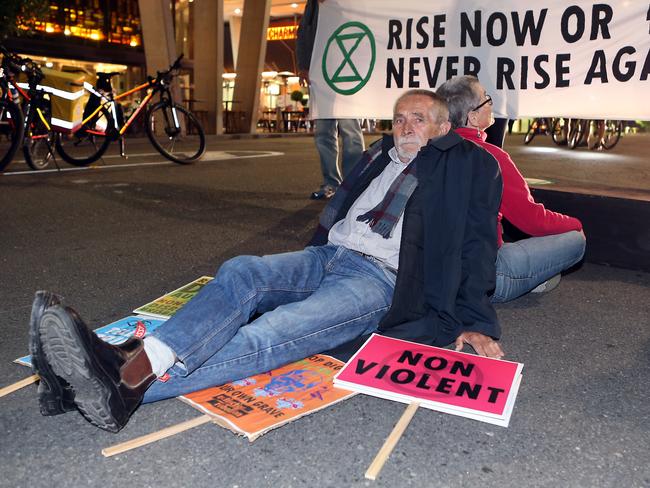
<point x="391" y="441"/>
<point x="156" y="436"/>
<point x="18" y="385"/>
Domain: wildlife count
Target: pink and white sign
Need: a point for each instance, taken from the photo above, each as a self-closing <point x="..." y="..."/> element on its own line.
<point x="441" y="379"/>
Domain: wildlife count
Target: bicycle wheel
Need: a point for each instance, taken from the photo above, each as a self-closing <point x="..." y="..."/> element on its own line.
<point x="560" y="131"/>
<point x="175" y="133"/>
<point x="613" y="129"/>
<point x="595" y="133"/>
<point x="38" y="142"/>
<point x="11" y="131"/>
<point x="576" y="132"/>
<point x="88" y="143"/>
<point x="532" y="130"/>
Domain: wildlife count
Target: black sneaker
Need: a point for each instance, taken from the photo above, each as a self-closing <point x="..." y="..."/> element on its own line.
<point x="55" y="396"/>
<point x="548" y="285"/>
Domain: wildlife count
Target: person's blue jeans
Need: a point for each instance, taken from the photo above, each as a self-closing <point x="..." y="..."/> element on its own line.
<point x="310" y="301"/>
<point x="524" y="264"/>
<point x="326" y="134"/>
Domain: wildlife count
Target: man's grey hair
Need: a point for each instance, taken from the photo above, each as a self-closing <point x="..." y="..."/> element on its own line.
<point x="461" y="98"/>
<point x="439" y="103"/>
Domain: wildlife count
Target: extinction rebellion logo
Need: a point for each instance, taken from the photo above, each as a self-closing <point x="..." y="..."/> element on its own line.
<point x="349" y="58"/>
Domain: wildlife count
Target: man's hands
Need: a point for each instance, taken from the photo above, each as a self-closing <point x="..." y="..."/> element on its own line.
<point x="482" y="344"/>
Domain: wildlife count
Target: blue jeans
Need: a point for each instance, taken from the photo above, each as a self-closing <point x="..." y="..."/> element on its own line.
<point x="309" y="301"/>
<point x="326" y="140"/>
<point x="524" y="264"/>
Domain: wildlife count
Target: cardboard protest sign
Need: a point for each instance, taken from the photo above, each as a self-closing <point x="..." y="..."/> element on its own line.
<point x="168" y="304"/>
<point x="255" y="405"/>
<point x="458" y="383"/>
<point x="117" y="332"/>
<point x="154" y="314"/>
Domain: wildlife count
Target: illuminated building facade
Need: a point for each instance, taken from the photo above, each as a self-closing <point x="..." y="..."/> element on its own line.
<point x="112" y="21"/>
<point x="95" y="31"/>
<point x="106" y="35"/>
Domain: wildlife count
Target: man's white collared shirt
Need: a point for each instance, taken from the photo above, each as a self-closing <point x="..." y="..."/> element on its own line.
<point x="358" y="236"/>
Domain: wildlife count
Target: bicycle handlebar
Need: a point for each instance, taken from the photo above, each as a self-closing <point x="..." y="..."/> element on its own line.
<point x="17" y="63"/>
<point x="10" y="60"/>
<point x="176" y="64"/>
<point x="165" y="76"/>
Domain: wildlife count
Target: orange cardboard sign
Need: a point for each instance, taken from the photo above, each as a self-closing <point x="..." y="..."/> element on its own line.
<point x="253" y="406"/>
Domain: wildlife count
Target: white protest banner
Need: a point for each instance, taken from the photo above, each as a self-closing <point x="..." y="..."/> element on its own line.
<point x="586" y="59"/>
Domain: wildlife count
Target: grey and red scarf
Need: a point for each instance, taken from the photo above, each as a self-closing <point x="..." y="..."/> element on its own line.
<point x="385" y="215"/>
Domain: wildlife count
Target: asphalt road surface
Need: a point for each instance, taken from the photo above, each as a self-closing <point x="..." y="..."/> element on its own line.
<point x="116" y="236"/>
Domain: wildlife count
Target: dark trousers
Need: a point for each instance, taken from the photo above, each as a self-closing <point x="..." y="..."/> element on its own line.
<point x="497" y="132"/>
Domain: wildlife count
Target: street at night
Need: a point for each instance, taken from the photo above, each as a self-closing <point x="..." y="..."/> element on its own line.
<point x="116" y="236"/>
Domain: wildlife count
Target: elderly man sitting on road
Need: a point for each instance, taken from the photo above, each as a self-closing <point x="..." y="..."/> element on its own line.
<point x="406" y="248"/>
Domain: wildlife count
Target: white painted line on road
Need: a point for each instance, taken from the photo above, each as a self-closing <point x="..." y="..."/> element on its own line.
<point x="591" y="156"/>
<point x="537" y="181"/>
<point x="209" y="156"/>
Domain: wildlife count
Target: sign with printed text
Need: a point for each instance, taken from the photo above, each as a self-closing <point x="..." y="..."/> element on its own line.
<point x="583" y="59"/>
<point x="253" y="406"/>
<point x="117" y="332"/>
<point x="441" y="379"/>
<point x="168" y="304"/>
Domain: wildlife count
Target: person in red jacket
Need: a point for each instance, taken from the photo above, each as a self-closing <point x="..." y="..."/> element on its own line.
<point x="557" y="241"/>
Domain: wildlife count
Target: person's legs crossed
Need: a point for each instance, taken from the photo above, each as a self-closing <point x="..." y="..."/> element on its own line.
<point x="352" y="141"/>
<point x="350" y="302"/>
<point x="326" y="140"/>
<point x="524" y="264"/>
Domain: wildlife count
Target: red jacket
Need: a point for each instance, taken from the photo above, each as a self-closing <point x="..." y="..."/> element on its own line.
<point x="517" y="204"/>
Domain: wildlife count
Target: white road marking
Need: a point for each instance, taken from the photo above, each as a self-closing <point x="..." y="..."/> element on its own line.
<point x="537" y="181"/>
<point x="209" y="156"/>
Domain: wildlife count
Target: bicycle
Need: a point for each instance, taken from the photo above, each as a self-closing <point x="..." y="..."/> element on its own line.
<point x="560" y="131"/>
<point x="578" y="133"/>
<point x="11" y="119"/>
<point x="613" y="132"/>
<point x="595" y="134"/>
<point x="538" y="126"/>
<point x="166" y="123"/>
<point x="604" y="134"/>
<point x="36" y="133"/>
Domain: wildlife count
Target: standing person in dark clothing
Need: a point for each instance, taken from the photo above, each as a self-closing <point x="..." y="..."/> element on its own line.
<point x="326" y="131"/>
<point x="496" y="133"/>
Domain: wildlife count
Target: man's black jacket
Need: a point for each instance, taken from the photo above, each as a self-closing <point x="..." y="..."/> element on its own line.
<point x="448" y="247"/>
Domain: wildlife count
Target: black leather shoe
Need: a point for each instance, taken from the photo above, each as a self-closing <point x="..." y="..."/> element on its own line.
<point x="108" y="381"/>
<point x="54" y="394"/>
<point x="324" y="193"/>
